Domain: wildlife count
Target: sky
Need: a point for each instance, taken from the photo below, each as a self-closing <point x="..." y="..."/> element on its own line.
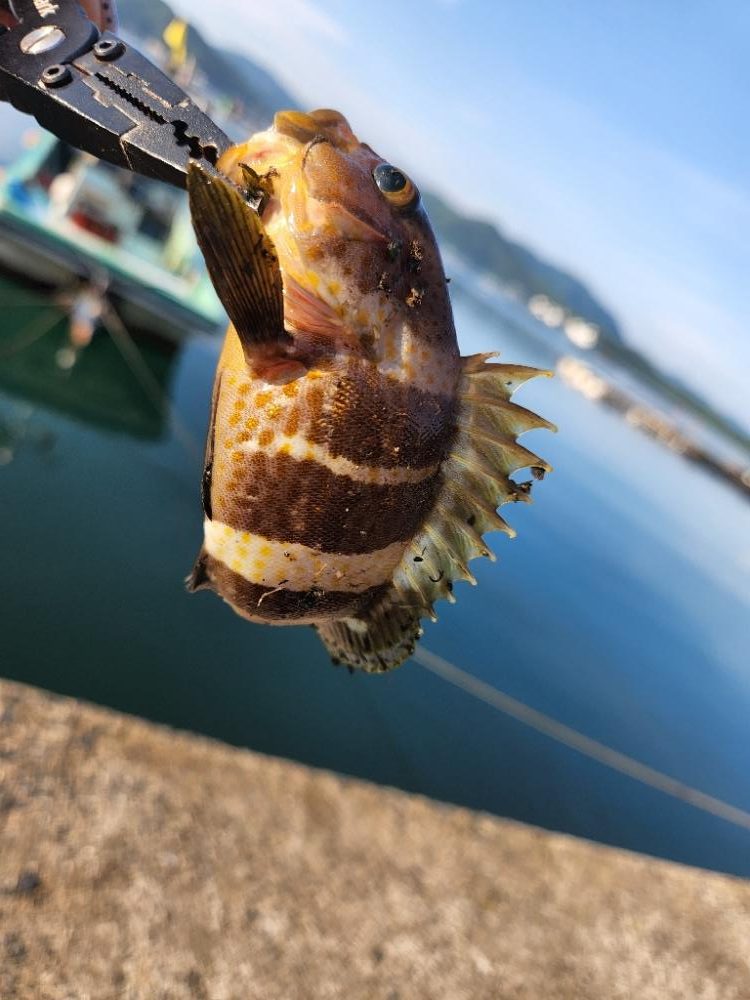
<point x="611" y="138"/>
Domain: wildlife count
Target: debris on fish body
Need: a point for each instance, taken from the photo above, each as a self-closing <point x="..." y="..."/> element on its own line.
<point x="354" y="459"/>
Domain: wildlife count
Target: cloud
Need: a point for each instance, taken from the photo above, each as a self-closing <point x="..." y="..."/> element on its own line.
<point x="271" y="26"/>
<point x="304" y="15"/>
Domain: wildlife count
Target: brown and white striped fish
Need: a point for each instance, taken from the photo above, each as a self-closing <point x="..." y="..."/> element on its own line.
<point x="354" y="459"/>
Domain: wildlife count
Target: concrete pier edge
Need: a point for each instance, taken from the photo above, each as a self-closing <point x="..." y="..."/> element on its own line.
<point x="139" y="862"/>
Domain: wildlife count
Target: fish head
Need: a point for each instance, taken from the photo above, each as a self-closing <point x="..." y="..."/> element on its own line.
<point x="355" y="247"/>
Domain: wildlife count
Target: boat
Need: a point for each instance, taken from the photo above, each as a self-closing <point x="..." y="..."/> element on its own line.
<point x="68" y="220"/>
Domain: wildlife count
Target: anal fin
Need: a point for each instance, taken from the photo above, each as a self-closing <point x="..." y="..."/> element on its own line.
<point x="208" y="456"/>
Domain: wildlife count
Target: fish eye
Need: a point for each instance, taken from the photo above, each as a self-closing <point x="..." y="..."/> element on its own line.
<point x="395" y="185"/>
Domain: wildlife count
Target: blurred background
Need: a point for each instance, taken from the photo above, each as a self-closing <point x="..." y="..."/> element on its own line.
<point x="586" y="173"/>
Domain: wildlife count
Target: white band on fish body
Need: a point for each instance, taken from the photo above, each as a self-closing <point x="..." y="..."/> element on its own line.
<point x="270" y="563"/>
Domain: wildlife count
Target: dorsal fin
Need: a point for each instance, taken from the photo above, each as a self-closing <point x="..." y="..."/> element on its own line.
<point x="240" y="258"/>
<point x="475" y="482"/>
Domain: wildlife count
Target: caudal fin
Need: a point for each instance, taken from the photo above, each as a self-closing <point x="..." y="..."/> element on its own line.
<point x="378" y="641"/>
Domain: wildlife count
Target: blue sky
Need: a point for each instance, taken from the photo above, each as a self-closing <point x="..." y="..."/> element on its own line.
<point x="610" y="137"/>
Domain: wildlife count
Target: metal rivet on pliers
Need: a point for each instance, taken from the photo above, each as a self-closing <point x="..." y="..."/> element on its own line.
<point x="56" y="75"/>
<point x="108" y="48"/>
<point x="41" y="40"/>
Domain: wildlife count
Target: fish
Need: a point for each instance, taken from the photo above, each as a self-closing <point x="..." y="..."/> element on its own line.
<point x="354" y="458"/>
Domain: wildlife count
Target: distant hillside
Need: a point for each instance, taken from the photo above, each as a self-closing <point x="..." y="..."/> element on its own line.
<point x="266" y="90"/>
<point x="484" y="247"/>
<point x="480" y="244"/>
<point x="230" y="73"/>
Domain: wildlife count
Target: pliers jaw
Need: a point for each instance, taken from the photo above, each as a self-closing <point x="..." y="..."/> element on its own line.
<point x="99" y="94"/>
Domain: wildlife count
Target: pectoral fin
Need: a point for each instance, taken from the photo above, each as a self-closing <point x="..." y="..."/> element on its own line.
<point x="240" y="257"/>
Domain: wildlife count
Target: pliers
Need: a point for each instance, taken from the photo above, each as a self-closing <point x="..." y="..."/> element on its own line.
<point x="98" y="93"/>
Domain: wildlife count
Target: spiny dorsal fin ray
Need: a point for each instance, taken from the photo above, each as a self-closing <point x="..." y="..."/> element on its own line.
<point x="504" y="378"/>
<point x="492" y="455"/>
<point x="450" y="557"/>
<point x="468" y="539"/>
<point x="240" y="258"/>
<point x="501" y="416"/>
<point x="480" y="480"/>
<point x="479" y="513"/>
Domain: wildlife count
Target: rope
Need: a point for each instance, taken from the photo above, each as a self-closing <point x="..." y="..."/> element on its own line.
<point x="561" y="733"/>
<point x="34" y="331"/>
<point x="131" y="354"/>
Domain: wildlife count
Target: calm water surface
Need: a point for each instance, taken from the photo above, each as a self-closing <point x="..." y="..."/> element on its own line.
<point x="622" y="608"/>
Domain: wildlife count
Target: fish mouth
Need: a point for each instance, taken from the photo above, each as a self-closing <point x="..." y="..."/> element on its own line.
<point x="356" y="226"/>
<point x="369" y="233"/>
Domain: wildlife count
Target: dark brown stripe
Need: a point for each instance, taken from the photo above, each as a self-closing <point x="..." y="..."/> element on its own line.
<point x="289" y="500"/>
<point x="268" y="604"/>
<point x="376" y="421"/>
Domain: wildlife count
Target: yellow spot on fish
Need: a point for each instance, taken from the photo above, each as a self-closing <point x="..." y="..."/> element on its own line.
<point x="285" y="449"/>
<point x="290" y="389"/>
<point x="259" y="565"/>
<point x="244" y="388"/>
<point x="312" y="278"/>
<point x="265" y="437"/>
<point x="265" y="550"/>
<point x="273" y="409"/>
<point x="334" y="287"/>
<point x="251" y="423"/>
<point x="262" y="398"/>
<point x="234" y="419"/>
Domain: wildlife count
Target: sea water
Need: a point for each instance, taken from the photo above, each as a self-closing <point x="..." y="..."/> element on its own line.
<point x="622" y="609"/>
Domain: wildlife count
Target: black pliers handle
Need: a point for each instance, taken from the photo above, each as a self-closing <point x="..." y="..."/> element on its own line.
<point x="101" y="95"/>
